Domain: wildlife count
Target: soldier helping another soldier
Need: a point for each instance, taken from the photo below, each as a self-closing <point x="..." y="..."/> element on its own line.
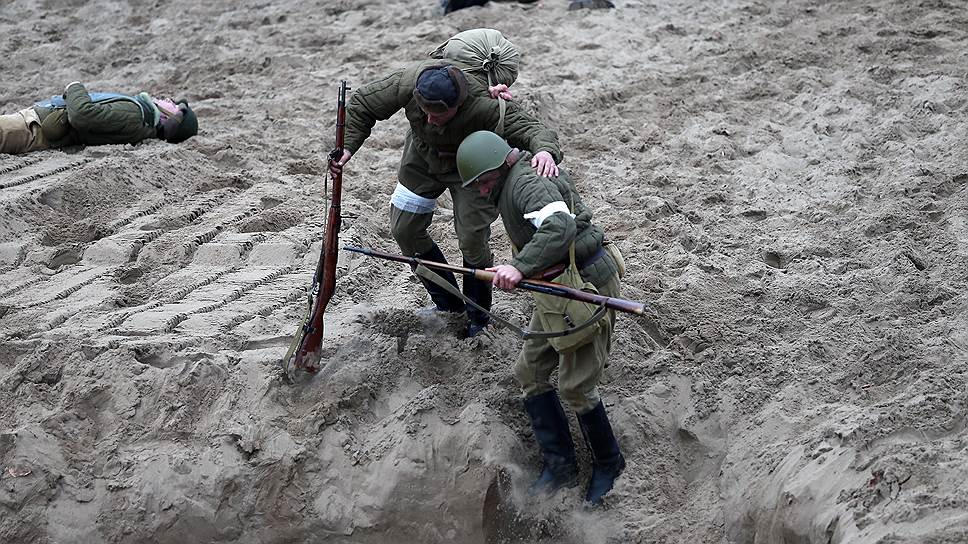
<point x="444" y="105"/>
<point x="548" y="224"/>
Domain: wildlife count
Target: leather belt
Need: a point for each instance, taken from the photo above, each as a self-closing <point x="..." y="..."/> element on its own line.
<point x="592" y="259"/>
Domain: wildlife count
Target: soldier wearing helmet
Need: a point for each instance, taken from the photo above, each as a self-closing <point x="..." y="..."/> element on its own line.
<point x="545" y="218"/>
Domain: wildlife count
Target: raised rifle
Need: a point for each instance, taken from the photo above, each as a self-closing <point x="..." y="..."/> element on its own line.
<point x="528" y="284"/>
<point x="304" y="352"/>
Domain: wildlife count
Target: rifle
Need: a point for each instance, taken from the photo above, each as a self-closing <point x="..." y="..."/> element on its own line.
<point x="535" y="285"/>
<point x="304" y="350"/>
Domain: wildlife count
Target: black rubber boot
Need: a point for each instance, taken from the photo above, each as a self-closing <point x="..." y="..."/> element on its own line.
<point x="590" y="4"/>
<point x="444" y="301"/>
<point x="607" y="460"/>
<point x="480" y="292"/>
<point x="449" y="6"/>
<point x="558" y="451"/>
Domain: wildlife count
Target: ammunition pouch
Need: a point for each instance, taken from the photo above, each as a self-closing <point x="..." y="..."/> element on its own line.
<point x="563" y="314"/>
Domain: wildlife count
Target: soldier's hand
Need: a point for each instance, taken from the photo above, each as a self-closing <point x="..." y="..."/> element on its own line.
<point x="506" y="276"/>
<point x="336" y="167"/>
<point x="500" y="90"/>
<point x="544" y="164"/>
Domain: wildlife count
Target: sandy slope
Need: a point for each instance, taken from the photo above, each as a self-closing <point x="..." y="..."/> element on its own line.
<point x="786" y="180"/>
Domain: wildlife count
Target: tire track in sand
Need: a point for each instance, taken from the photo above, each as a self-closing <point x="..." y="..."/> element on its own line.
<point x="73" y="165"/>
<point x="236" y="294"/>
<point x="23" y="163"/>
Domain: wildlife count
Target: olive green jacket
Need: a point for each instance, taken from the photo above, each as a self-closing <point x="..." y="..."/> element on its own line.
<point x="117" y="121"/>
<point x="522" y="191"/>
<point x="381" y="99"/>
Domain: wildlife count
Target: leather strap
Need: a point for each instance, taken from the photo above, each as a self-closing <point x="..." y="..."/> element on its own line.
<point x="523" y="333"/>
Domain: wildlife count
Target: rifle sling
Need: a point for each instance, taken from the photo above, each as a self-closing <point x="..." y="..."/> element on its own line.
<point x="523" y="333"/>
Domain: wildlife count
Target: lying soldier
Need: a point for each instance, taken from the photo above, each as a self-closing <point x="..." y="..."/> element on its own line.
<point x="82" y="118"/>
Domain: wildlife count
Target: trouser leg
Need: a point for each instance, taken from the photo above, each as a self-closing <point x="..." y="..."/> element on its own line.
<point x="535" y="364"/>
<point x="473" y="215"/>
<point x="410" y="231"/>
<point x="580" y="371"/>
<point x="21" y="133"/>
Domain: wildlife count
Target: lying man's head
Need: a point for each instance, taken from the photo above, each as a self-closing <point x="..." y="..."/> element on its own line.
<point x="178" y="121"/>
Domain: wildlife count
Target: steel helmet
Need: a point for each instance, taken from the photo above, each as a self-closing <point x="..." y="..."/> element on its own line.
<point x="480" y="152"/>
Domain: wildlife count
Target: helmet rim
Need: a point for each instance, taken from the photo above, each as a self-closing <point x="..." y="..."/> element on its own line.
<point x="479" y="153"/>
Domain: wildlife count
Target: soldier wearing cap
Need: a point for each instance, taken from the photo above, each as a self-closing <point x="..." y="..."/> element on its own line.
<point x="82" y="118"/>
<point x="443" y="106"/>
<point x="546" y="220"/>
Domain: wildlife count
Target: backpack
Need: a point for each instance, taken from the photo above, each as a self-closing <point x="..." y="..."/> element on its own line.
<point x="492" y="57"/>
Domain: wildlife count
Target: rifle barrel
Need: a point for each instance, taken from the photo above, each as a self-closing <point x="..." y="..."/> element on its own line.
<point x="537" y="286"/>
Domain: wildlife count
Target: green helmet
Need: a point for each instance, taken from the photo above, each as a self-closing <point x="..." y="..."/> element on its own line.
<point x="480" y="152"/>
<point x="188" y="126"/>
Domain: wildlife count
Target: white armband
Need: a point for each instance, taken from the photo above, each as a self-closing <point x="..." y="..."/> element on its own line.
<point x="408" y="201"/>
<point x="539" y="216"/>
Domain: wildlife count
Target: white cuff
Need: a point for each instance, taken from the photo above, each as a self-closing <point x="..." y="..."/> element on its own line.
<point x="539" y="216"/>
<point x="69" y="85"/>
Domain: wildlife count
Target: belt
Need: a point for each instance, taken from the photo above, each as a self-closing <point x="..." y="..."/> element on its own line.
<point x="556" y="270"/>
<point x="592" y="258"/>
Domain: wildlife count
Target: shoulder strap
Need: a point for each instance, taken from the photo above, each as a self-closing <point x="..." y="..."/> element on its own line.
<point x="571" y="250"/>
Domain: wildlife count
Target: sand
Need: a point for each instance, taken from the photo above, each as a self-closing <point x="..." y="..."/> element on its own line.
<point x="786" y="181"/>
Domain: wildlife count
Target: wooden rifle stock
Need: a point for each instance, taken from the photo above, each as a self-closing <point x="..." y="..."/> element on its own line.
<point x="535" y="285"/>
<point x="304" y="354"/>
<point x="334" y="220"/>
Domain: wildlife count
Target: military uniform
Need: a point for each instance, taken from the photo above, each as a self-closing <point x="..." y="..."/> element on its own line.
<point x="428" y="166"/>
<point x="77" y="118"/>
<point x="544" y="218"/>
<point x="523" y="193"/>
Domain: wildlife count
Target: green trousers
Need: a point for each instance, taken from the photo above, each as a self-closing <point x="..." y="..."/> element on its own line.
<point x="578" y="372"/>
<point x="473" y="213"/>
